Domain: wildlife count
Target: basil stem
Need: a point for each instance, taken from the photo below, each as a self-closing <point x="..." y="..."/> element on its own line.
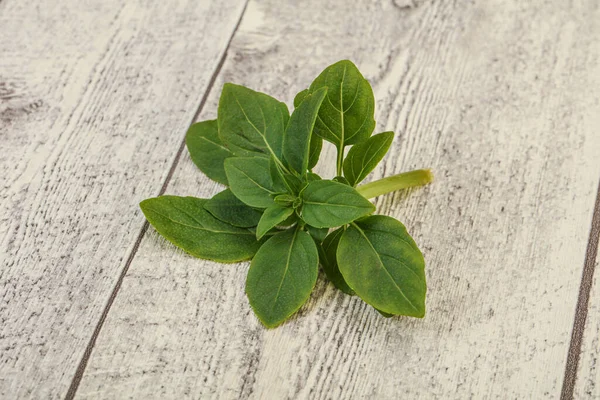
<point x="340" y="159"/>
<point x="392" y="183"/>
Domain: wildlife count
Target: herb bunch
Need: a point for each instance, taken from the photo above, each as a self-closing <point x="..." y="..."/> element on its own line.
<point x="279" y="213"/>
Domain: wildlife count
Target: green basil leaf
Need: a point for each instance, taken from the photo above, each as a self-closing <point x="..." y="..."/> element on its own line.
<point x="283" y="181"/>
<point x="364" y="157"/>
<point x="316" y="145"/>
<point x="296" y="143"/>
<point x="279" y="184"/>
<point x="300" y="97"/>
<point x="327" y="204"/>
<point x="383" y="265"/>
<point x="272" y="217"/>
<point x="282" y="275"/>
<point x="294" y="183"/>
<point x="341" y="179"/>
<point x="250" y="122"/>
<point x="207" y="150"/>
<point x="289" y="221"/>
<point x="228" y="208"/>
<point x="250" y="180"/>
<point x="285" y="199"/>
<point x="297" y="203"/>
<point x="316" y="142"/>
<point x="188" y="225"/>
<point x="385" y="315"/>
<point x="347" y="115"/>
<point x="327" y="252"/>
<point x="311" y="176"/>
<point x="267" y="235"/>
<point x="318" y="234"/>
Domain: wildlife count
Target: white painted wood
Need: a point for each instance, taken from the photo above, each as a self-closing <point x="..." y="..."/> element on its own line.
<point x="587" y="385"/>
<point x="95" y="97"/>
<point x="501" y="99"/>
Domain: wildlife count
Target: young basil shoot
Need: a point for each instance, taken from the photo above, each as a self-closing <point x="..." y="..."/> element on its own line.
<point x="278" y="213"/>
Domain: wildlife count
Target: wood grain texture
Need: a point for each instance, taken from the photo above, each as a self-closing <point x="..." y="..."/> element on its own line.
<point x="500" y="99"/>
<point x="95" y="97"/>
<point x="587" y="383"/>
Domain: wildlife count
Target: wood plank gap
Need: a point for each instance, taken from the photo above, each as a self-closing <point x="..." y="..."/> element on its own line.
<point x="581" y="311"/>
<point x="90" y="347"/>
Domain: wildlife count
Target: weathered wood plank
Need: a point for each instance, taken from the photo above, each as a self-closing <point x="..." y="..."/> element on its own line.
<point x="500" y="98"/>
<point x="95" y="97"/>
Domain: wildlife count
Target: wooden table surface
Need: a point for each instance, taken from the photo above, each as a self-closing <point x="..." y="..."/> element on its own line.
<point x="500" y="98"/>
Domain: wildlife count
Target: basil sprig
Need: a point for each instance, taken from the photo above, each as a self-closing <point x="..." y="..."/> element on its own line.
<point x="277" y="212"/>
